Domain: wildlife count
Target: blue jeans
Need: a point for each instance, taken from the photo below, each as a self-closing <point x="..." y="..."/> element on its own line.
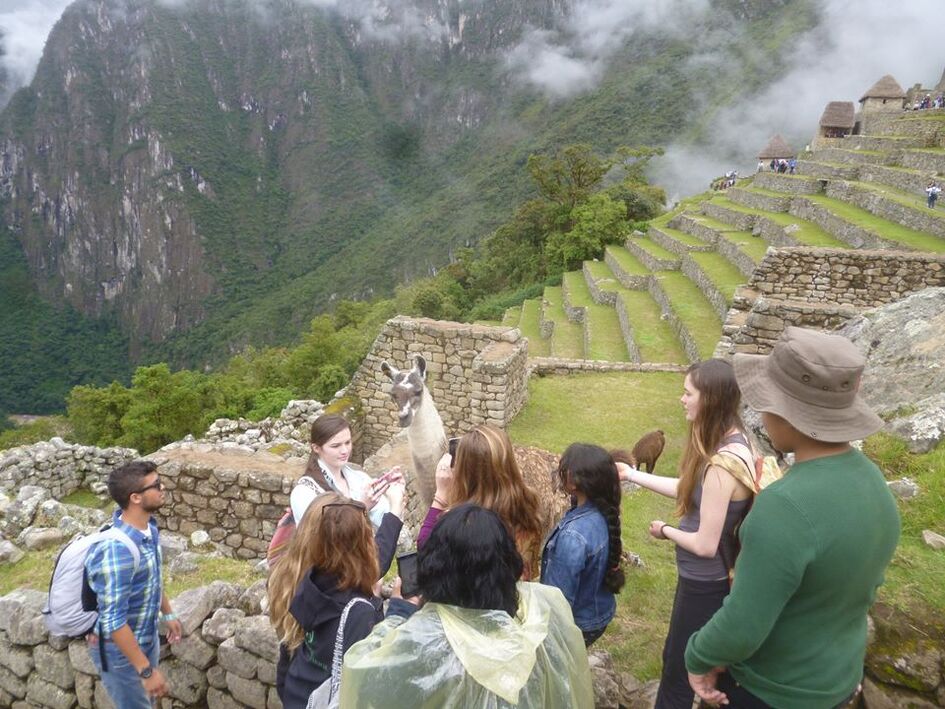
<point x="121" y="680"/>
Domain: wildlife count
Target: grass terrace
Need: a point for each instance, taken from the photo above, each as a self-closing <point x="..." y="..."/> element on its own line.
<point x="568" y="338"/>
<point x="653" y="336"/>
<point x="655" y="250"/>
<point x="606" y="339"/>
<point x="530" y="326"/>
<point x="918" y="240"/>
<point x="806" y="233"/>
<point x="627" y="261"/>
<point x="694" y="311"/>
<point x="720" y="271"/>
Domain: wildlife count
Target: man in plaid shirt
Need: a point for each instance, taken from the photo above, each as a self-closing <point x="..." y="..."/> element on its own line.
<point x="130" y="599"/>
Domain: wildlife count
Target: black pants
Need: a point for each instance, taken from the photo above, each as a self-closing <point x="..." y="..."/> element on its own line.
<point x="694" y="604"/>
<point x="741" y="698"/>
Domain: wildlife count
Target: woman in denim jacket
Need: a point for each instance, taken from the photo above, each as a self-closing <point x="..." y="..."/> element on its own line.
<point x="582" y="555"/>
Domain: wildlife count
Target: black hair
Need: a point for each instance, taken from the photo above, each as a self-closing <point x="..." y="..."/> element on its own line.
<point x="127" y="479"/>
<point x="592" y="471"/>
<point x="470" y="560"/>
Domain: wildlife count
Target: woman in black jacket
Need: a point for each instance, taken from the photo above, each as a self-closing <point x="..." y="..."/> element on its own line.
<point x="334" y="556"/>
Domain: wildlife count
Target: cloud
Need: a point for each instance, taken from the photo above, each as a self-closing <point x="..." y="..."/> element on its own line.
<point x="854" y="45"/>
<point x="571" y="58"/>
<point x="25" y="24"/>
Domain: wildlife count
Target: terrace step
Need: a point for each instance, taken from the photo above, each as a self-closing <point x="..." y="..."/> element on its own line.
<point x="907" y="211"/>
<point x="926" y="125"/>
<point x="603" y="337"/>
<point x="643" y="323"/>
<point x="511" y="316"/>
<point x="826" y="170"/>
<point x="716" y="277"/>
<point x="880" y="143"/>
<point x="739" y="246"/>
<point x="627" y="268"/>
<point x="651" y="255"/>
<point x="789" y="184"/>
<point x="900" y="178"/>
<point x="774" y="227"/>
<point x="758" y="198"/>
<point x="852" y="157"/>
<point x="928" y="160"/>
<point x="530" y="325"/>
<point x="676" y="241"/>
<point x="691" y="316"/>
<point x="567" y="336"/>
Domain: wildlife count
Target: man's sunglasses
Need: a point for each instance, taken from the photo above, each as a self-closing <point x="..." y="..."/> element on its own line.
<point x="156" y="485"/>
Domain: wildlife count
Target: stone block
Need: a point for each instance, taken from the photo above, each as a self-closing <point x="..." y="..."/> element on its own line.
<point x="79" y="657"/>
<point x="216" y="678"/>
<point x="257" y="635"/>
<point x="221" y="700"/>
<point x="16" y="659"/>
<point x="247" y="691"/>
<point x="12" y="684"/>
<point x="266" y="671"/>
<point x="48" y="695"/>
<point x="195" y="651"/>
<point x="100" y="697"/>
<point x="54" y="666"/>
<point x="22" y="617"/>
<point x="235" y="660"/>
<point x="193" y="607"/>
<point x="273" y="701"/>
<point x="85" y="690"/>
<point x="185" y="682"/>
<point x="222" y="625"/>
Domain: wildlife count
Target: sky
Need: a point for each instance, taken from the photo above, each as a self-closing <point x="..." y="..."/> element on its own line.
<point x="858" y="42"/>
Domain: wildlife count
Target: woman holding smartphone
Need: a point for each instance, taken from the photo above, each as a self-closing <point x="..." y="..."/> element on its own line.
<point x="329" y="469"/>
<point x="484" y="472"/>
<point x="710" y="503"/>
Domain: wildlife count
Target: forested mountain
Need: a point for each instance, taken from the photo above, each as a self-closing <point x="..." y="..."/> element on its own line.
<point x="183" y="179"/>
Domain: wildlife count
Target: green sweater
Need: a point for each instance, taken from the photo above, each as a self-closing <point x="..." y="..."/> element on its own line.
<point x="814" y="549"/>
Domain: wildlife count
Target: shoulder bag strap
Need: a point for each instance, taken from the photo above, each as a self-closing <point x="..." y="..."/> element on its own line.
<point x="338" y="655"/>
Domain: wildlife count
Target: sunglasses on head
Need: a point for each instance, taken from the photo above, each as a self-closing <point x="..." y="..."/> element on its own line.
<point x="156" y="485"/>
<point x="348" y="503"/>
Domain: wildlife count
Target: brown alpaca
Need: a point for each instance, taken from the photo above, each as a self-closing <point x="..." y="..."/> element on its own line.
<point x="648" y="450"/>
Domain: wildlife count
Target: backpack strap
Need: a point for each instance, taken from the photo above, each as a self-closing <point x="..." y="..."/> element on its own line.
<point x="119" y="535"/>
<point x="338" y="655"/>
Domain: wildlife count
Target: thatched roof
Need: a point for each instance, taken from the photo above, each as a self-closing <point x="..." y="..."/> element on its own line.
<point x="887" y="87"/>
<point x="777" y="147"/>
<point x="838" y="114"/>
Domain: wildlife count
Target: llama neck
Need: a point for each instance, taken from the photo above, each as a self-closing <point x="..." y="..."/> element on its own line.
<point x="426" y="432"/>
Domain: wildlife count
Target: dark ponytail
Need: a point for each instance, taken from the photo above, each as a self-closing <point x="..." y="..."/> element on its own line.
<point x="594" y="473"/>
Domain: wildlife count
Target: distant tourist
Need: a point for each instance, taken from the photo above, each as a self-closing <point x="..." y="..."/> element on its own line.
<point x="792" y="165"/>
<point x="933" y="191"/>
<point x="761" y="166"/>
<point x="131" y="600"/>
<point x="710" y="501"/>
<point x="815" y="545"/>
<point x="582" y="555"/>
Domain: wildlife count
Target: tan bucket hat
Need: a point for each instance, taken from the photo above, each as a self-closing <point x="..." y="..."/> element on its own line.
<point x="810" y="379"/>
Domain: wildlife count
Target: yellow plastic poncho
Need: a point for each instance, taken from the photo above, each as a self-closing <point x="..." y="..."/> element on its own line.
<point x="445" y="656"/>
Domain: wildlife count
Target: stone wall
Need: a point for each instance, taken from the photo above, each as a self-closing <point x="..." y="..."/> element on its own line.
<point x="60" y="467"/>
<point x="821" y="289"/>
<point x="227" y="658"/>
<point x="914" y="216"/>
<point x="475" y="374"/>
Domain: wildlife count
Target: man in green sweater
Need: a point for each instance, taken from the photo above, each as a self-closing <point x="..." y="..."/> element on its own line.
<point x="792" y="633"/>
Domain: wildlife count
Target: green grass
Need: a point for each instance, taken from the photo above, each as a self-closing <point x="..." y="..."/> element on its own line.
<point x="603" y="277"/>
<point x="754" y="246"/>
<point x="629" y="263"/>
<point x="692" y="308"/>
<point x="807" y="233"/>
<point x="655" y="250"/>
<point x="607" y="409"/>
<point x="530" y="326"/>
<point x="654" y="337"/>
<point x="32" y="571"/>
<point x="85" y="498"/>
<point x="512" y="316"/>
<point x="720" y="271"/>
<point x="891" y="231"/>
<point x="908" y="199"/>
<point x="236" y="571"/>
<point x="568" y="338"/>
<point x="682" y="237"/>
<point x="606" y="339"/>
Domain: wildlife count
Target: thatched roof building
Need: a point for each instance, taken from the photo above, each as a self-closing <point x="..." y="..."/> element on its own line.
<point x="838" y="114"/>
<point x="776" y="148"/>
<point x="885" y="88"/>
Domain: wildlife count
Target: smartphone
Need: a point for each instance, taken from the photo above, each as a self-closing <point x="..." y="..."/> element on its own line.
<point x="407" y="570"/>
<point x="453" y="445"/>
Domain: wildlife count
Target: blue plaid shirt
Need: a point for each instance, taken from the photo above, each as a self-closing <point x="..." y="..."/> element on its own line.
<point x="126" y="595"/>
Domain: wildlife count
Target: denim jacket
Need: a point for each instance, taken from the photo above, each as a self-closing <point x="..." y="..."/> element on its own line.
<point x="575" y="560"/>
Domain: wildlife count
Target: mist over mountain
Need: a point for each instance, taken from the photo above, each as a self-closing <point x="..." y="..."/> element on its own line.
<point x="199" y="176"/>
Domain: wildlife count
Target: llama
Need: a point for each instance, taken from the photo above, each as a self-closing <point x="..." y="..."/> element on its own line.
<point x="426" y="437"/>
<point x="417" y="413"/>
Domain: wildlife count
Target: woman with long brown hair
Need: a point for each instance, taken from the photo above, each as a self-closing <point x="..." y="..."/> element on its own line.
<point x="485" y="473"/>
<point x="710" y="502"/>
<point x="330" y="567"/>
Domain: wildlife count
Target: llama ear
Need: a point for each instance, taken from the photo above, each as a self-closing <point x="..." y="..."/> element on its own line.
<point x="420" y="364"/>
<point x="387" y="369"/>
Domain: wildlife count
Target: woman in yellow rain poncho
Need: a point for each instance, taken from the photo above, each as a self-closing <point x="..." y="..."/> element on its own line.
<point x="480" y="640"/>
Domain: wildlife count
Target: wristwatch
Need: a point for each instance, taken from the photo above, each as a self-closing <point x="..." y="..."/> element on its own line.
<point x="146" y="672"/>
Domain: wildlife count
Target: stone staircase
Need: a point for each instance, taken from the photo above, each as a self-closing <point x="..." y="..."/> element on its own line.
<point x="662" y="297"/>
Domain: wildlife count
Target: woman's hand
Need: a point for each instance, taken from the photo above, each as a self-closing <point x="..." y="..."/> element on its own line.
<point x="395" y="593"/>
<point x="656" y="529"/>
<point x="444" y="478"/>
<point x="396" y="489"/>
<point x="624" y="472"/>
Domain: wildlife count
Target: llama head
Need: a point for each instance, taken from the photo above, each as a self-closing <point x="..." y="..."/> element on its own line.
<point x="407" y="391"/>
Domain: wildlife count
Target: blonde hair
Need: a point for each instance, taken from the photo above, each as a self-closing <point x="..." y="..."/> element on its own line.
<point x="485" y="473"/>
<point x="335" y="537"/>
